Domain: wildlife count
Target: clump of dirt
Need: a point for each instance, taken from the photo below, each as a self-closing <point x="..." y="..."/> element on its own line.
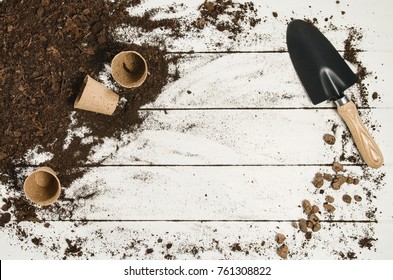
<point x="7" y="205"/>
<point x="347" y="198"/>
<point x="280" y="238"/>
<point x="338" y="181"/>
<point x="227" y="15"/>
<point x="367" y="242"/>
<point x="236" y="247"/>
<point x="329" y="208"/>
<point x="318" y="180"/>
<point x="74" y="248"/>
<point x="149" y="251"/>
<point x="335" y="180"/>
<point x="329" y="199"/>
<point x="312" y="224"/>
<point x="4" y="219"/>
<point x="357" y="198"/>
<point x="375" y="95"/>
<point x="37" y="241"/>
<point x="282" y="251"/>
<point x="337" y="167"/>
<point x="329" y="139"/>
<point x="350" y="255"/>
<point x="303" y="225"/>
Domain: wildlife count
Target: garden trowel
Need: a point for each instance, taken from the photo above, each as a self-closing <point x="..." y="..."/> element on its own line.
<point x="325" y="76"/>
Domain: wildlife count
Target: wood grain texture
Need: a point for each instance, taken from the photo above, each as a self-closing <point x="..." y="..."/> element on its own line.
<point x="220" y="193"/>
<point x="195" y="240"/>
<point x="269" y="34"/>
<point x="366" y="145"/>
<point x="228" y="151"/>
<point x="259" y="80"/>
<point x="238" y="137"/>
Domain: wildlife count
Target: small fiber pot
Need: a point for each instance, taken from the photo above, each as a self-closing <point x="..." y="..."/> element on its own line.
<point x="42" y="186"/>
<point x="129" y="69"/>
<point x="95" y="97"/>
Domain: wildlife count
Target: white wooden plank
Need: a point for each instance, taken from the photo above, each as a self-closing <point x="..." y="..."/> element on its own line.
<point x="259" y="80"/>
<point x="373" y="19"/>
<point x="239" y="137"/>
<point x="217" y="193"/>
<point x="125" y="240"/>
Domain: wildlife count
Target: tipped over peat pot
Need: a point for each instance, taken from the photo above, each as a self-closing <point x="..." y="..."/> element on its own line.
<point x="95" y="97"/>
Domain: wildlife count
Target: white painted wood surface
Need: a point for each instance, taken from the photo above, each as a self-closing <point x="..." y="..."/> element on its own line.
<point x="228" y="151"/>
<point x="269" y="35"/>
<point x="213" y="240"/>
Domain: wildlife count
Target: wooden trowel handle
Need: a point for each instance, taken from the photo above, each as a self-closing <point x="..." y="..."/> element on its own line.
<point x="366" y="145"/>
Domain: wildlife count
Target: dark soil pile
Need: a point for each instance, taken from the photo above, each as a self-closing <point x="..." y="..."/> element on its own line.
<point x="47" y="48"/>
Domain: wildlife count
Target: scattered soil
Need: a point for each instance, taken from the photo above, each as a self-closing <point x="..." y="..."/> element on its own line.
<point x="367" y="242"/>
<point x="351" y="55"/>
<point x="227" y="16"/>
<point x="74" y="248"/>
<point x="351" y="52"/>
<point x="348" y="256"/>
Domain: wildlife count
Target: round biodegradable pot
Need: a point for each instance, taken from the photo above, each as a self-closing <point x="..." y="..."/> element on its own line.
<point x="42" y="186"/>
<point x="96" y="97"/>
<point x="129" y="69"/>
